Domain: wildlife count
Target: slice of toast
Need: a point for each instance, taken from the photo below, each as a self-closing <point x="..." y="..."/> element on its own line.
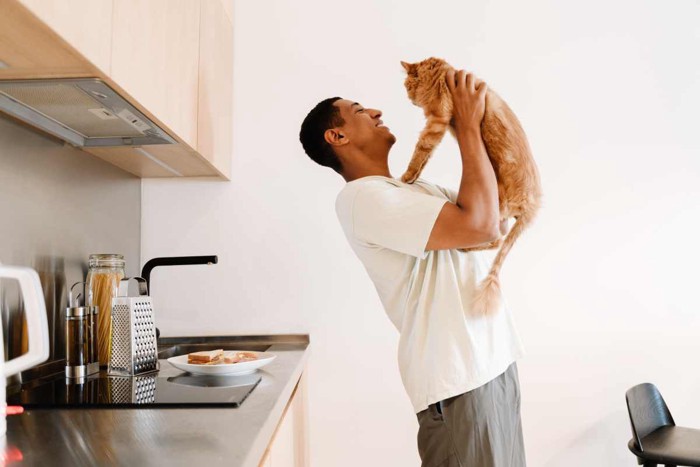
<point x="207" y="356"/>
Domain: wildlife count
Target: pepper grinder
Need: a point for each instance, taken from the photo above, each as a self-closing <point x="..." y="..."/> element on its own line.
<point x="80" y="323"/>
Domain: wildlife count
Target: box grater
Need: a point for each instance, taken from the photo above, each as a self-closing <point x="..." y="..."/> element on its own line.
<point x="139" y="389"/>
<point x="134" y="345"/>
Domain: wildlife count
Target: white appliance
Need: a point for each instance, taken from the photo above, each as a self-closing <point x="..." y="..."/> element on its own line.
<point x="37" y="331"/>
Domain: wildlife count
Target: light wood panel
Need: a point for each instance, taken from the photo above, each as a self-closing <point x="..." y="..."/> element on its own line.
<point x="289" y="446"/>
<point x="228" y="7"/>
<point x="156" y="161"/>
<point x="282" y="451"/>
<point x="180" y="156"/>
<point x="215" y="102"/>
<point x="85" y="24"/>
<point x="267" y="460"/>
<point x="302" y="443"/>
<point x="155" y="56"/>
<point x="183" y="159"/>
<point x="33" y="50"/>
<point x="128" y="159"/>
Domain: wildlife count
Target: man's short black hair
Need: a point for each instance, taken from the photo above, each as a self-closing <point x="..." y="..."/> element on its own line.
<point x="321" y="118"/>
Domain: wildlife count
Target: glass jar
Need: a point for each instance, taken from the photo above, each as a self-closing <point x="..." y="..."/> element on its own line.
<point x="77" y="328"/>
<point x="104" y="273"/>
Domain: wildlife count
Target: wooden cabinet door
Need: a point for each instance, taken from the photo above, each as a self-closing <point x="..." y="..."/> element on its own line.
<point x="155" y="59"/>
<point x="84" y="24"/>
<point x="215" y="85"/>
<point x="289" y="446"/>
<point x="282" y="450"/>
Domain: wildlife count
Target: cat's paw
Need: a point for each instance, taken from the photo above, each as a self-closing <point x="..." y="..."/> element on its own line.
<point x="409" y="177"/>
<point x="486" y="246"/>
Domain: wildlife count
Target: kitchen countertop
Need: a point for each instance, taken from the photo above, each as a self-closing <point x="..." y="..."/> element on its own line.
<point x="166" y="436"/>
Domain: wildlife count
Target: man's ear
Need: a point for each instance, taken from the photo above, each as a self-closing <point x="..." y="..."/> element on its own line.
<point x="335" y="137"/>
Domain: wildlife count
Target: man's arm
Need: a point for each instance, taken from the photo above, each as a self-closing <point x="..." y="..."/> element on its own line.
<point x="474" y="218"/>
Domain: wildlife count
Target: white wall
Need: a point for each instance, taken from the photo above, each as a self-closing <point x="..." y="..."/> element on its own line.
<point x="603" y="286"/>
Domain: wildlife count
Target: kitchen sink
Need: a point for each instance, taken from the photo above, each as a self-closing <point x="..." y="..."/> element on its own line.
<point x="171" y="350"/>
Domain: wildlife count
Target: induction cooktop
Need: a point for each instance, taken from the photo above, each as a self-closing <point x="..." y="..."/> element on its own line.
<point x="168" y="387"/>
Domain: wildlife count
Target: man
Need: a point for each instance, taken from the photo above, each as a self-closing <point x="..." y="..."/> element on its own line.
<point x="458" y="367"/>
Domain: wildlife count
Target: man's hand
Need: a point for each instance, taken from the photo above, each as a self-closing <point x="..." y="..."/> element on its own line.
<point x="477" y="198"/>
<point x="468" y="98"/>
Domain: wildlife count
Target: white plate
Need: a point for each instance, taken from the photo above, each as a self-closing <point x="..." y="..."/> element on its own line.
<point x="240" y="368"/>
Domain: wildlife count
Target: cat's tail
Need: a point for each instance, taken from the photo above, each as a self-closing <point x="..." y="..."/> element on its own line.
<point x="488" y="295"/>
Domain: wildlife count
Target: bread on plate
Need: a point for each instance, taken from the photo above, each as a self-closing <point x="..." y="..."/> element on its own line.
<point x="205" y="357"/>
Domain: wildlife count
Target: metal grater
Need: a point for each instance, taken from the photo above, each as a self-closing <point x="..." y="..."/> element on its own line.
<point x="136" y="390"/>
<point x="134" y="346"/>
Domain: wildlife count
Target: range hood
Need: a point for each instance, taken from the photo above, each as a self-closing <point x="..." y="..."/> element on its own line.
<point x="84" y="112"/>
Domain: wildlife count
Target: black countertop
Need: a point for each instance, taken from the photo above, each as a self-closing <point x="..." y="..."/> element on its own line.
<point x="167" y="436"/>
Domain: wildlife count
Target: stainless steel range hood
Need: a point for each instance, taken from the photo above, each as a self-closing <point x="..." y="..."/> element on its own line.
<point x="84" y="112"/>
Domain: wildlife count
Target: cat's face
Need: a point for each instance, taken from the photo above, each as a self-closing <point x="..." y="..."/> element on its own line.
<point x="421" y="78"/>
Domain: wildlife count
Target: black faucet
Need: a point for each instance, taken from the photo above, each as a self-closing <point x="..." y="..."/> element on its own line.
<point x="174" y="261"/>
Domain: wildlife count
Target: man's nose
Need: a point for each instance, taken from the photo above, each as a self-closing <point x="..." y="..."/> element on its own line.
<point x="376" y="113"/>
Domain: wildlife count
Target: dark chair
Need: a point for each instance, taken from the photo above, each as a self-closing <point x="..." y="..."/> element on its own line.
<point x="655" y="437"/>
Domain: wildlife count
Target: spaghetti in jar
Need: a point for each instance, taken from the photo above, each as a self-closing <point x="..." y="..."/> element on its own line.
<point x="104" y="273"/>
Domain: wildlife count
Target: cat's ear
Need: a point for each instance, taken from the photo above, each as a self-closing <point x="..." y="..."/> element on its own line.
<point x="406" y="66"/>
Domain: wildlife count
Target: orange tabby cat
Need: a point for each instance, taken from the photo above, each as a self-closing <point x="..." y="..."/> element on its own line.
<point x="519" y="189"/>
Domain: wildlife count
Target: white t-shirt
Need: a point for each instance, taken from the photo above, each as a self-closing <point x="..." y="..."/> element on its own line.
<point x="444" y="348"/>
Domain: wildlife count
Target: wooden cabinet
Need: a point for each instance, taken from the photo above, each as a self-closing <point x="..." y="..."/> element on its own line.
<point x="30" y="50"/>
<point x="84" y="24"/>
<point x="215" y="85"/>
<point x="289" y="446"/>
<point x="155" y="56"/>
<point x="171" y="59"/>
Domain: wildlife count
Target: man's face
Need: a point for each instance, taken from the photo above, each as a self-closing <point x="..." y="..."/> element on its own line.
<point x="363" y="126"/>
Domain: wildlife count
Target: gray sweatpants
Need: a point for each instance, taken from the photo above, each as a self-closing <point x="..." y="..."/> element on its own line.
<point x="480" y="428"/>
